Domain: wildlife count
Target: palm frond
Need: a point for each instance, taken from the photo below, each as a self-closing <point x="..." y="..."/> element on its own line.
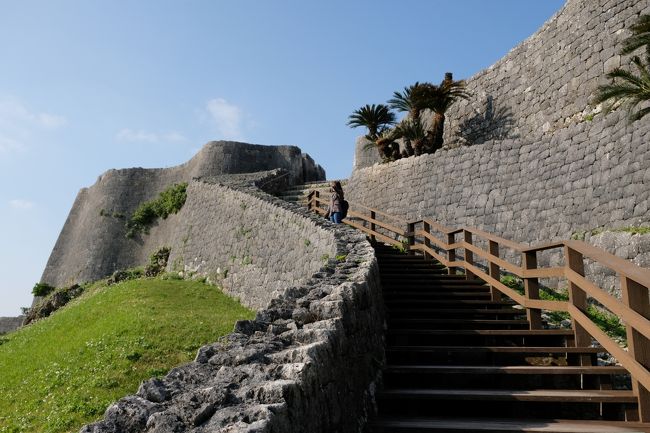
<point x="624" y="75"/>
<point x="411" y="130"/>
<point x="374" y="117"/>
<point x="403" y="101"/>
<point x="640" y="36"/>
<point x="640" y="114"/>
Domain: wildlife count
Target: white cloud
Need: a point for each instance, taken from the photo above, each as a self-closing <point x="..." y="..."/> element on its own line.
<point x="21" y="204"/>
<point x="127" y="134"/>
<point x="19" y="125"/>
<point x="51" y="120"/>
<point x="14" y="111"/>
<point x="9" y="144"/>
<point x="130" y="135"/>
<point x="227" y="118"/>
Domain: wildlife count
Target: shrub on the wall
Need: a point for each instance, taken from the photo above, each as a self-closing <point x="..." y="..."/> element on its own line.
<point x="168" y="202"/>
<point x="42" y="289"/>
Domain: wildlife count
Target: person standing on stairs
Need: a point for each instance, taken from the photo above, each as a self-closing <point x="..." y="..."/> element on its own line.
<point x="336" y="202"/>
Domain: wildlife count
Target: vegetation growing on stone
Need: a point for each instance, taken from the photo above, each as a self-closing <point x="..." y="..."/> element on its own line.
<point x="606" y="321"/>
<point x="42" y="289"/>
<point x="168" y="202"/>
<point x="631" y="88"/>
<point x="157" y="262"/>
<point x="58" y="375"/>
<point x="634" y="230"/>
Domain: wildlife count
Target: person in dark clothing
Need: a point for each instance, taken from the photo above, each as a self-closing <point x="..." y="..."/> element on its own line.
<point x="336" y="202"/>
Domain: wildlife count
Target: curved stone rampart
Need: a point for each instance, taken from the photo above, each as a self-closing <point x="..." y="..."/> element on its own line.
<point x="309" y="362"/>
<point x="92" y="243"/>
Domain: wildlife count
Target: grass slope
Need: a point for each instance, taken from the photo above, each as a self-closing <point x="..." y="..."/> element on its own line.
<point x="62" y="372"/>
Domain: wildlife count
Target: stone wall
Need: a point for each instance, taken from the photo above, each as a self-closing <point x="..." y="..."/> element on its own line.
<point x="92" y="243"/>
<point x="8" y="324"/>
<point x="578" y="180"/>
<point x="365" y="154"/>
<point x="546" y="83"/>
<point x="251" y="247"/>
<point x="543" y="163"/>
<point x="309" y="362"/>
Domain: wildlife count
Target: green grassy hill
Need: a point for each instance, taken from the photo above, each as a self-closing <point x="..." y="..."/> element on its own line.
<point x="63" y="371"/>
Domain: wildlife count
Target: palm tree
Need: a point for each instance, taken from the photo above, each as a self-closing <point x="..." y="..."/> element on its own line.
<point x="413" y="100"/>
<point x="387" y="147"/>
<point x="439" y="99"/>
<point x="627" y="89"/>
<point x="374" y="117"/>
<point x="414" y="135"/>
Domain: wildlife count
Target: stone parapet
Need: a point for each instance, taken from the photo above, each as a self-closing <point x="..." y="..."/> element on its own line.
<point x="311" y="359"/>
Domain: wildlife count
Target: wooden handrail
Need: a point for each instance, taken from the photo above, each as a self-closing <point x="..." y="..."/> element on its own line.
<point x="634" y="310"/>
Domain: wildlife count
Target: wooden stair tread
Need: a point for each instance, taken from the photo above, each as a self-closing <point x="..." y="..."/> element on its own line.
<point x="396" y="320"/>
<point x="443" y="295"/>
<point x="549" y="395"/>
<point x="463" y="302"/>
<point x="435" y="311"/>
<point x="404" y="289"/>
<point x="511" y="425"/>
<point x="507" y="332"/>
<point x="512" y="369"/>
<point x="496" y="349"/>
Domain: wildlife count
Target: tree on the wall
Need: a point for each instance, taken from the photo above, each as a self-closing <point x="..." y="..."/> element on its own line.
<point x="414" y="100"/>
<point x="374" y="117"/>
<point x="631" y="88"/>
<point x="440" y="98"/>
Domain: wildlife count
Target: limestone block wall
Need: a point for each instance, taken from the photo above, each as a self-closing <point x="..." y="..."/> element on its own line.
<point x="92" y="246"/>
<point x="8" y="324"/>
<point x="546" y="83"/>
<point x="529" y="157"/>
<point x="311" y="359"/>
<point x="254" y="248"/>
<point x="544" y="190"/>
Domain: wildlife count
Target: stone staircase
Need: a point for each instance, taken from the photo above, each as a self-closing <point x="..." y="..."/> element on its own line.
<point x="458" y="361"/>
<point x="298" y="193"/>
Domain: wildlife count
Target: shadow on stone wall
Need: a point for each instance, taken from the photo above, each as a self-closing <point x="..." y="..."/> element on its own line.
<point x="495" y="123"/>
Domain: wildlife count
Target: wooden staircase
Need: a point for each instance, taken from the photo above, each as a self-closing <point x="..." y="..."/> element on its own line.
<point x="459" y="361"/>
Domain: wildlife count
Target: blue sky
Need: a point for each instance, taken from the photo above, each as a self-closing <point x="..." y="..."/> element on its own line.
<point x="89" y="85"/>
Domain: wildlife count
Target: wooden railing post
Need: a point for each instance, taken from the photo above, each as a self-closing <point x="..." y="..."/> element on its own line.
<point x="531" y="288"/>
<point x="451" y="254"/>
<point x="578" y="298"/>
<point x="469" y="256"/>
<point x="495" y="271"/>
<point x="411" y="238"/>
<point x="427" y="242"/>
<point x="373" y="215"/>
<point x="636" y="297"/>
<point x="310" y="197"/>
